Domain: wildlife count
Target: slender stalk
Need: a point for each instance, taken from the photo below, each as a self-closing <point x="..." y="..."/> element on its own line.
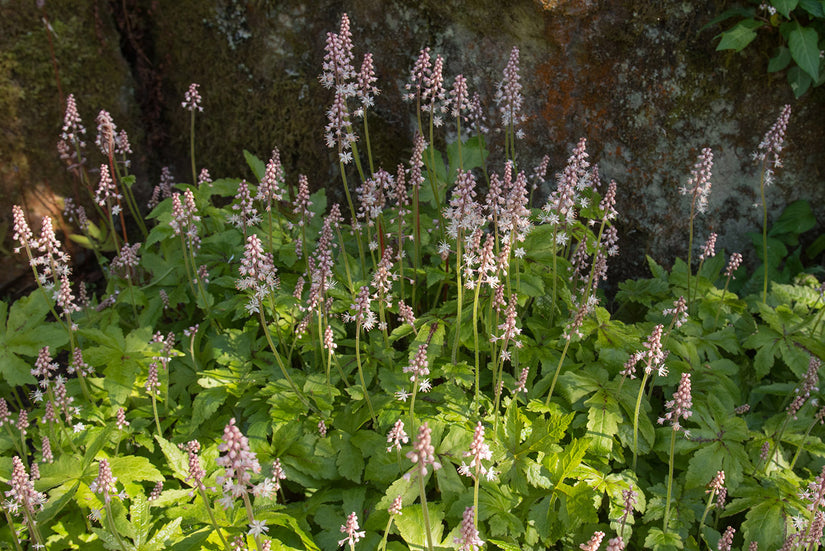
<point x="110" y="520"/>
<point x="558" y="370"/>
<point x="192" y="147"/>
<point x="251" y="517"/>
<point x="10" y="522"/>
<point x="690" y="252"/>
<point x="669" y="480"/>
<point x="707" y="508"/>
<point x="475" y="344"/>
<point x="460" y="295"/>
<point x="280" y="362"/>
<point x="361" y="372"/>
<point x="636" y="418"/>
<point x="426" y="513"/>
<point x="202" y="493"/>
<point x="764" y="237"/>
<point x="155" y="413"/>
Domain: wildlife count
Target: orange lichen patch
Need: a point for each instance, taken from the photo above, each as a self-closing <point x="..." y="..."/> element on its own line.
<point x="575" y="89"/>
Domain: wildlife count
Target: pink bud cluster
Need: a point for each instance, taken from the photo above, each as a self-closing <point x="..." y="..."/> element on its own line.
<point x="423" y="452"/>
<point x="22" y="494"/>
<point x="508" y="96"/>
<point x="350" y="528"/>
<point x="239" y="463"/>
<point x="468" y="538"/>
<point x="679" y="407"/>
<point x="192" y="98"/>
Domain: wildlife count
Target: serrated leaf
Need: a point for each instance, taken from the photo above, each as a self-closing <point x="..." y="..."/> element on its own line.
<point x="663" y="541"/>
<point x="140" y="518"/>
<point x="765" y="523"/>
<point x="350" y="461"/>
<point x="803" y="45"/>
<point x="603" y="420"/>
<point x="160" y="537"/>
<point x="131" y="468"/>
<point x="176" y="459"/>
<point x="410" y="524"/>
<point x="206" y="404"/>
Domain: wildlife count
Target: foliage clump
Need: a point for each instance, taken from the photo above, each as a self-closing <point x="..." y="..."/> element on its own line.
<point x="439" y="370"/>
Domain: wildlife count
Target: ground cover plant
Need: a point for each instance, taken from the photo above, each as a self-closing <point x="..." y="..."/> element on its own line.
<point x="440" y="372"/>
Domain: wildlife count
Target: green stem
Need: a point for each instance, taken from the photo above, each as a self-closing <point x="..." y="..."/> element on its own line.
<point x="690" y="254"/>
<point x="251" y="517"/>
<point x="192" y="147"/>
<point x="155" y="412"/>
<point x="556" y="375"/>
<point x="636" y="418"/>
<point x="669" y="480"/>
<point x="280" y="362"/>
<point x="10" y="522"/>
<point x="764" y="236"/>
<point x="460" y="297"/>
<point x="206" y="504"/>
<point x="707" y="508"/>
<point x="426" y="513"/>
<point x="110" y="520"/>
<point x="361" y="372"/>
<point x="475" y="344"/>
<point x="722" y="301"/>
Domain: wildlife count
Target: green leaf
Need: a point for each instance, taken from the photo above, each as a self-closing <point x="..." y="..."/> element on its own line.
<point x="176" y="459"/>
<point x="799" y="80"/>
<point x="411" y="525"/>
<point x="662" y="541"/>
<point x="24" y="333"/>
<point x="765" y="523"/>
<point x="814" y="7"/>
<point x="742" y="34"/>
<point x="780" y="60"/>
<point x="258" y="167"/>
<point x="797" y="218"/>
<point x="206" y="404"/>
<point x="785" y="7"/>
<point x="603" y="419"/>
<point x="472" y="155"/>
<point x="160" y="538"/>
<point x="131" y="468"/>
<point x="804" y="50"/>
<point x="350" y="461"/>
<point x="140" y="518"/>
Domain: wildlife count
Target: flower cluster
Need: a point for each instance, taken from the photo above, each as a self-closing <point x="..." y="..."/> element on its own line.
<point x="258" y="273"/>
<point x="698" y="185"/>
<point x="771" y="146"/>
<point x="192" y="99"/>
<point x="469" y="539"/>
<point x="679" y="407"/>
<point x="239" y="463"/>
<point x="423" y="452"/>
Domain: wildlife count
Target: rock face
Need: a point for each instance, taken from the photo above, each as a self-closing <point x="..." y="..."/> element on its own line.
<point x="640" y="81"/>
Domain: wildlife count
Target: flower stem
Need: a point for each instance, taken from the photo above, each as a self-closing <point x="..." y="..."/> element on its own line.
<point x="202" y="493"/>
<point x="636" y="419"/>
<point x="361" y="372"/>
<point x="426" y="513"/>
<point x="556" y="375"/>
<point x="669" y="480"/>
